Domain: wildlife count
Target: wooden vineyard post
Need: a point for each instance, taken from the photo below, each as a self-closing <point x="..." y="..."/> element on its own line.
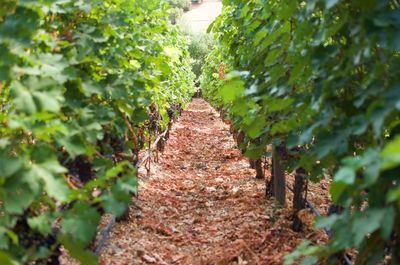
<point x="269" y="184"/>
<point x="239" y="141"/>
<point x="222" y="70"/>
<point x="279" y="181"/>
<point x="257" y="165"/>
<point x="299" y="197"/>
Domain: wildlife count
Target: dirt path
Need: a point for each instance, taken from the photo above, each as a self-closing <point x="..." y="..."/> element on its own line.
<point x="201" y="204"/>
<point x="201" y="16"/>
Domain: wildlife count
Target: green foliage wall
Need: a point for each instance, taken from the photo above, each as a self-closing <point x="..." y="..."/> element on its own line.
<point x="323" y="76"/>
<point x="72" y="75"/>
<point x="183" y="4"/>
<point x="178" y="8"/>
<point x="200" y="45"/>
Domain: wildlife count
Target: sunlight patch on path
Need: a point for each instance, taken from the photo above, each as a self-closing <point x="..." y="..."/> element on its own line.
<point x="201" y="17"/>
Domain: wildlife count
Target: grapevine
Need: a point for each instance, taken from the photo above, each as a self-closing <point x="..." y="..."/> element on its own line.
<point x="79" y="81"/>
<point x="319" y="81"/>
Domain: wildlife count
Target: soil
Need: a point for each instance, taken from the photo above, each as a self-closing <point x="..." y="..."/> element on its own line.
<point x="202" y="205"/>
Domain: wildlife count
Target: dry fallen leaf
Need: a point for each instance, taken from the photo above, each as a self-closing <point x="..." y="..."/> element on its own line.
<point x="201" y="204"/>
<point x="149" y="259"/>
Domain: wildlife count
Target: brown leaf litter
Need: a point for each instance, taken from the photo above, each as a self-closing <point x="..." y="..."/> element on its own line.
<point x="201" y="205"/>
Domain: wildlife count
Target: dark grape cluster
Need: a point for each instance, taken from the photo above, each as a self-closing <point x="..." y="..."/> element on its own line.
<point x="170" y="113"/>
<point x="30" y="239"/>
<point x="82" y="167"/>
<point x="174" y="110"/>
<point x="154" y="119"/>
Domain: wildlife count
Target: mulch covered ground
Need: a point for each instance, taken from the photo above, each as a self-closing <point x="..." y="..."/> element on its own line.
<point x="201" y="204"/>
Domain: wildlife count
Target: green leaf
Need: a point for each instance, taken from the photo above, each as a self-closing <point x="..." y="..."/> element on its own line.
<point x="74" y="145"/>
<point x="309" y="260"/>
<point x="277" y="104"/>
<point x="260" y="35"/>
<point x="77" y="250"/>
<point x="13" y="236"/>
<point x="327" y="222"/>
<point x="56" y="187"/>
<point x="9" y="165"/>
<point x="372" y="164"/>
<point x="344" y="177"/>
<point x="89" y="88"/>
<point x="135" y="64"/>
<point x="388" y="222"/>
<point x="139" y="115"/>
<point x="81" y="223"/>
<point x="41" y="223"/>
<point x="6" y="259"/>
<point x="23" y="21"/>
<point x="20" y="192"/>
<point x="172" y="53"/>
<point x="393" y="195"/>
<point x="391" y="154"/>
<point x="304" y="249"/>
<point x="272" y="56"/>
<point x="256" y="127"/>
<point x="365" y="223"/>
<point x="46" y="101"/>
<point x="284" y="126"/>
<point x="254" y="152"/>
<point x="23" y="99"/>
<point x="46" y="166"/>
<point x="17" y="206"/>
<point x="232" y="90"/>
<point x="120" y="196"/>
<point x="287" y="9"/>
<point x="377" y="118"/>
